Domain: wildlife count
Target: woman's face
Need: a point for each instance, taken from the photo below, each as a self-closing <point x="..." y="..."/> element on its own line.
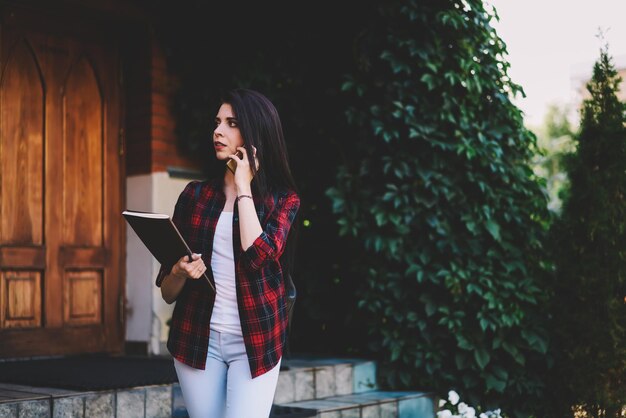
<point x="226" y="136"/>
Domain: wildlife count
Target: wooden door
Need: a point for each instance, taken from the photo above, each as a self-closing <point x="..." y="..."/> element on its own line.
<point x="61" y="190"/>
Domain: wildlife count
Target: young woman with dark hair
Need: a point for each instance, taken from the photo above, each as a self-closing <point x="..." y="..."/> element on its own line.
<point x="228" y="346"/>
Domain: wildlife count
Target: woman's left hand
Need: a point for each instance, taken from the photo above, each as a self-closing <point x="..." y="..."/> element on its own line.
<point x="243" y="174"/>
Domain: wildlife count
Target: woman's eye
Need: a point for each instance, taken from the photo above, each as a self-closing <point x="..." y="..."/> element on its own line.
<point x="232" y="124"/>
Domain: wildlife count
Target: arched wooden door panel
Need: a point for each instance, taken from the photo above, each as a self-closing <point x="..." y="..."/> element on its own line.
<point x="61" y="190"/>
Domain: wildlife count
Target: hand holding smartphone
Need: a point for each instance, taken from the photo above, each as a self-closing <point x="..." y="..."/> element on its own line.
<point x="231" y="164"/>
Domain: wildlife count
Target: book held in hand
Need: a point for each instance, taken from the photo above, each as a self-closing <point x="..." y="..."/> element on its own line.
<point x="160" y="236"/>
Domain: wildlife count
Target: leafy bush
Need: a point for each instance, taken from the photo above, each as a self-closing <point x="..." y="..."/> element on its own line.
<point x="590" y="254"/>
<point x="440" y="196"/>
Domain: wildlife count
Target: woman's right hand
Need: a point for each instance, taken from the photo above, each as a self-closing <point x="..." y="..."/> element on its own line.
<point x="189" y="269"/>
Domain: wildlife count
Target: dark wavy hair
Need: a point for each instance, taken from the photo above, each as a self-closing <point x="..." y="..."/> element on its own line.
<point x="260" y="127"/>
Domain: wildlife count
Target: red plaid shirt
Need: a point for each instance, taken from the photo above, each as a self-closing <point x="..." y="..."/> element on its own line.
<point x="259" y="279"/>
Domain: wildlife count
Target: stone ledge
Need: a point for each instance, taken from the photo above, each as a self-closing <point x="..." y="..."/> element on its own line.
<point x="372" y="404"/>
<point x="308" y="378"/>
<point x="155" y="401"/>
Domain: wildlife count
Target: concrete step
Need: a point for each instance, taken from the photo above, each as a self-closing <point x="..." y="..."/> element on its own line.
<point x="307" y="378"/>
<point x="158" y="401"/>
<point x="372" y="404"/>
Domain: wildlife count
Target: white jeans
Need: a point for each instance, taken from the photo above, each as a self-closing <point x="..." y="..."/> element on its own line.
<point x="226" y="388"/>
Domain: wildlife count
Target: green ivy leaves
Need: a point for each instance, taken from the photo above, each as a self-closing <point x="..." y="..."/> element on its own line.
<point x="440" y="196"/>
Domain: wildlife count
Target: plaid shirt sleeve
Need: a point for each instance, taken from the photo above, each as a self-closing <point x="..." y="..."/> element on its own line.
<point x="271" y="243"/>
<point x="185" y="199"/>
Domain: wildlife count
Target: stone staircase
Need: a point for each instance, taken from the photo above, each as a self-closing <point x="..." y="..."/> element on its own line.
<point x="307" y="387"/>
<point x="344" y="388"/>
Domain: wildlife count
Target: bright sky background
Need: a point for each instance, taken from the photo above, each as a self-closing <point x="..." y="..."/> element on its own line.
<point x="550" y="42"/>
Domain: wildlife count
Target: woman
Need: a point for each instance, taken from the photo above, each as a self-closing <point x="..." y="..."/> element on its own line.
<point x="227" y="346"/>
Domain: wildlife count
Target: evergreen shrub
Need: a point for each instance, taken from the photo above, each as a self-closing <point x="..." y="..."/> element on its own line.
<point x="589" y="247"/>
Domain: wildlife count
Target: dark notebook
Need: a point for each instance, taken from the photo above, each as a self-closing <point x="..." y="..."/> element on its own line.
<point x="160" y="236"/>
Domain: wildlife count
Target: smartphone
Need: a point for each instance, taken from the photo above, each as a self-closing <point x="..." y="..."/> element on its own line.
<point x="231" y="164"/>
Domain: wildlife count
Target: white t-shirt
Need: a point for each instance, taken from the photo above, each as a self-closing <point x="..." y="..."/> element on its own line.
<point x="225" y="316"/>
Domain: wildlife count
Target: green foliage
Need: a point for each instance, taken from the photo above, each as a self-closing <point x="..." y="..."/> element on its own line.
<point x="590" y="254"/>
<point x="441" y="197"/>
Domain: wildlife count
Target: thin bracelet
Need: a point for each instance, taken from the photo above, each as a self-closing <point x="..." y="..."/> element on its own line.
<point x="242" y="196"/>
